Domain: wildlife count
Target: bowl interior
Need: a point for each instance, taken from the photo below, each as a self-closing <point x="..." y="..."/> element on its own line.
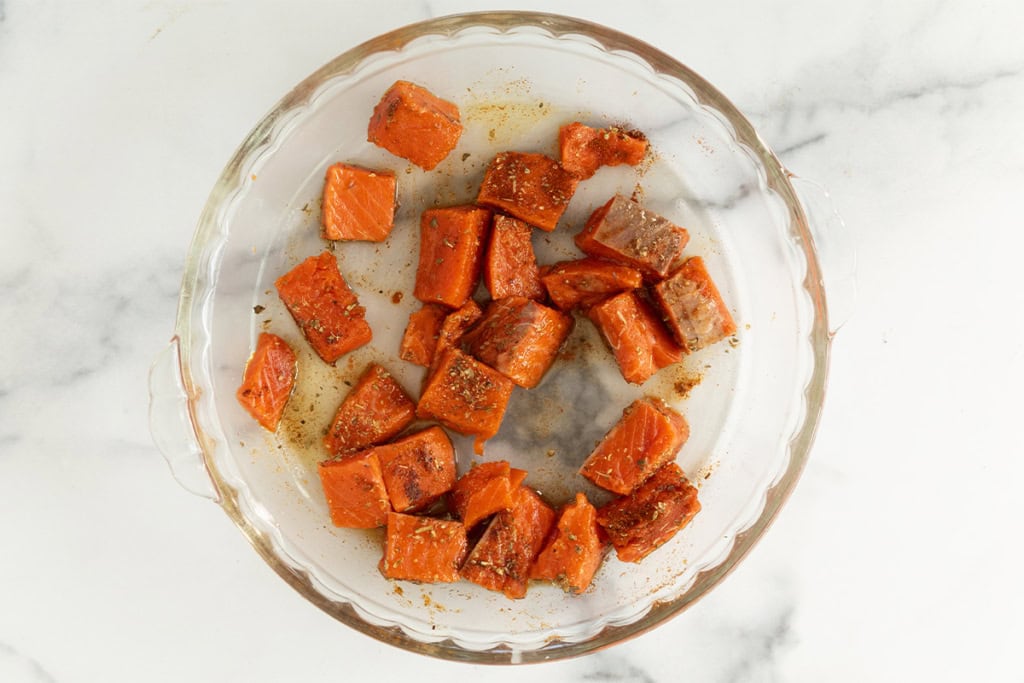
<point x="514" y="86"/>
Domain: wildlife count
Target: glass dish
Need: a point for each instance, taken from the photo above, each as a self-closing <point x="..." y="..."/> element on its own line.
<point x="752" y="404"/>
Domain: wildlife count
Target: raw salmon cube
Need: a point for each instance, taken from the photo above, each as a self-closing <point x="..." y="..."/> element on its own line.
<point x="648" y="435"/>
<point x="421" y="334"/>
<point x="452" y="242"/>
<point x="423" y="549"/>
<point x="482" y="491"/>
<point x="637" y="338"/>
<point x="268" y="380"/>
<point x="693" y="308"/>
<point x="588" y="281"/>
<point x="517" y="477"/>
<point x="324" y="307"/>
<point x="627" y="233"/>
<point x="510" y="267"/>
<point x="466" y="395"/>
<point x="585" y="149"/>
<point x="531" y="187"/>
<point x="358" y="204"/>
<point x="355" y="491"/>
<point x="418" y="469"/>
<point x="374" y="411"/>
<point x="413" y="123"/>
<point x="519" y="338"/>
<point x="502" y="558"/>
<point x="574" y="550"/>
<point x="639" y="523"/>
<point x="454" y="326"/>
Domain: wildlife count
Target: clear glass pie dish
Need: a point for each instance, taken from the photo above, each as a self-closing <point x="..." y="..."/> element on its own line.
<point x="752" y="404"/>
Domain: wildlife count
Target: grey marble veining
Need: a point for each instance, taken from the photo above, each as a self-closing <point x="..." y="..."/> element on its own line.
<point x="73" y="327"/>
<point x="955" y="90"/>
<point x="608" y="666"/>
<point x="15" y="666"/>
<point x="801" y="144"/>
<point x="757" y="650"/>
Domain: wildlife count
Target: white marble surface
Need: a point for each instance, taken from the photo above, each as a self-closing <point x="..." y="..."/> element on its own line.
<point x="898" y="557"/>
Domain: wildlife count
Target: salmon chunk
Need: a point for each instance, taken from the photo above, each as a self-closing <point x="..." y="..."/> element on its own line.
<point x="531" y="187"/>
<point x="375" y="410"/>
<point x="585" y="149"/>
<point x="637" y="338"/>
<point x="693" y="308"/>
<point x="453" y="327"/>
<point x="413" y="123"/>
<point x="452" y="241"/>
<point x="358" y="204"/>
<point x="574" y="549"/>
<point x="324" y="307"/>
<point x="627" y="233"/>
<point x="483" y="490"/>
<point x="417" y="469"/>
<point x="354" y="488"/>
<point x="465" y="395"/>
<point x="502" y="558"/>
<point x="268" y="380"/>
<point x="588" y="281"/>
<point x="510" y="266"/>
<point x="423" y="549"/>
<point x="648" y="435"/>
<point x="420" y="338"/>
<point x="644" y="520"/>
<point x="519" y="338"/>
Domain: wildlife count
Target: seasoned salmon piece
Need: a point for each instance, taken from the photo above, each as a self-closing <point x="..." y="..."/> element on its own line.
<point x="358" y="204"/>
<point x="574" y="549"/>
<point x="355" y="491"/>
<point x="510" y="266"/>
<point x="585" y="149"/>
<point x="452" y="243"/>
<point x="454" y="326"/>
<point x="483" y="490"/>
<point x="423" y="549"/>
<point x="502" y="558"/>
<point x="627" y="233"/>
<point x="637" y="338"/>
<point x="648" y="435"/>
<point x="420" y="338"/>
<point x="465" y="395"/>
<point x="324" y="307"/>
<point x="588" y="281"/>
<point x="519" y="338"/>
<point x="418" y="469"/>
<point x="644" y="520"/>
<point x="693" y="308"/>
<point x="268" y="380"/>
<point x="517" y="477"/>
<point x="375" y="410"/>
<point x="531" y="187"/>
<point x="413" y="123"/>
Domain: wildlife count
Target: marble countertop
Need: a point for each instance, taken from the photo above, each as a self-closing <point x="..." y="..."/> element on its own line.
<point x="898" y="556"/>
